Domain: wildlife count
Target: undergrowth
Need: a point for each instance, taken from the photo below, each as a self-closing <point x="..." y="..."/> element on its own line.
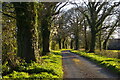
<point x="51" y="67"/>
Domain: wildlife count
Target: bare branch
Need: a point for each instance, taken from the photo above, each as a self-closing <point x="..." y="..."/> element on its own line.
<point x="57" y="6"/>
<point x="97" y="4"/>
<point x="101" y="6"/>
<point x="108" y="26"/>
<point x="101" y="19"/>
<point x="58" y="11"/>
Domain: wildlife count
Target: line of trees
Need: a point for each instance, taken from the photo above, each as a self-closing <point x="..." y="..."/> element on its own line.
<point x="89" y="24"/>
<point x="26" y="29"/>
<point x="31" y="29"/>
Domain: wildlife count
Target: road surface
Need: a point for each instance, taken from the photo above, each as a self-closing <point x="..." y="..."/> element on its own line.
<point x="75" y="66"/>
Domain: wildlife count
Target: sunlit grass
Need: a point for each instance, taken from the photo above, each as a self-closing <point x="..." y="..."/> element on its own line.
<point x="65" y="49"/>
<point x="51" y="67"/>
<point x="114" y="50"/>
<point x="75" y="51"/>
<point x="108" y="53"/>
<point x="60" y="50"/>
<point x="56" y="51"/>
<point x="109" y="50"/>
<point x="110" y="63"/>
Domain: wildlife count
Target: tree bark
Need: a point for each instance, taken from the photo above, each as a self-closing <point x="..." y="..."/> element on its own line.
<point x="86" y="42"/>
<point x="76" y="42"/>
<point x="105" y="44"/>
<point x="93" y="40"/>
<point x="100" y="45"/>
<point x="63" y="43"/>
<point x="106" y="40"/>
<point x="76" y="36"/>
<point x="45" y="36"/>
<point x="59" y="44"/>
<point x="71" y="44"/>
<point x="27" y="37"/>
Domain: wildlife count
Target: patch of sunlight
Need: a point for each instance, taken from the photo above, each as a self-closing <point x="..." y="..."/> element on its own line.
<point x="114" y="50"/>
<point x="75" y="51"/>
<point x="109" y="50"/>
<point x="56" y="51"/>
<point x="76" y="60"/>
<point x="89" y="53"/>
<point x="66" y="49"/>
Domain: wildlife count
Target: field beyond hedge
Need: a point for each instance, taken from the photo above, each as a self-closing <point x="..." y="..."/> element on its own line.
<point x="111" y="63"/>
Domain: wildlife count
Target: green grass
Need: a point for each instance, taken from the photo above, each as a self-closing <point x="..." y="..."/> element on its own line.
<point x="111" y="63"/>
<point x="51" y="67"/>
<point x="108" y="53"/>
<point x="114" y="50"/>
<point x="59" y="51"/>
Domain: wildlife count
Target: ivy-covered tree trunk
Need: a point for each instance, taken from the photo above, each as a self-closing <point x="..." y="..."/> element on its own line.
<point x="27" y="34"/>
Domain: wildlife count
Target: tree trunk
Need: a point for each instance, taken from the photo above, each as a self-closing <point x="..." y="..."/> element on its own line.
<point x="66" y="46"/>
<point x="86" y="42"/>
<point x="59" y="44"/>
<point x="93" y="40"/>
<point x="105" y="44"/>
<point x="27" y="36"/>
<point x="100" y="45"/>
<point x="76" y="42"/>
<point x="71" y="44"/>
<point x="66" y="43"/>
<point x="106" y="40"/>
<point x="45" y="36"/>
<point x="77" y="38"/>
<point x="63" y="43"/>
<point x="118" y="55"/>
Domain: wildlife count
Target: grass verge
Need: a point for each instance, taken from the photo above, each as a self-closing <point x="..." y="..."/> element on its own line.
<point x="51" y="67"/>
<point x="112" y="64"/>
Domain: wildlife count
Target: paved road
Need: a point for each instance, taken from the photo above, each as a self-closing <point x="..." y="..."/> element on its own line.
<point x="79" y="67"/>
